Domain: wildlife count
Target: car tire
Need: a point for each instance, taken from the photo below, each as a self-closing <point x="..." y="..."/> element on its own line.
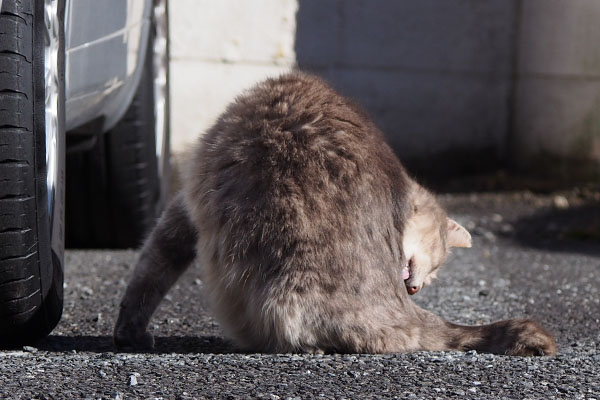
<point x="31" y="169"/>
<point x="117" y="189"/>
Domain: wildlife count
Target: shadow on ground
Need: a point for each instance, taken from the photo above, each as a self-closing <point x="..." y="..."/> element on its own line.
<point x="163" y="345"/>
<point x="507" y="181"/>
<point x="533" y="211"/>
<point x="576" y="229"/>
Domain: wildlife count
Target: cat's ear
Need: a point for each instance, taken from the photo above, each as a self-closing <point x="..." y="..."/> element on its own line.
<point x="457" y="235"/>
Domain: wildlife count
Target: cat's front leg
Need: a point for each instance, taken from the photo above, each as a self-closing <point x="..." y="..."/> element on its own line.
<point x="168" y="251"/>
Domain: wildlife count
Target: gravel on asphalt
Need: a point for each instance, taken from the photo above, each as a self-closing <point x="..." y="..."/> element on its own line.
<point x="526" y="261"/>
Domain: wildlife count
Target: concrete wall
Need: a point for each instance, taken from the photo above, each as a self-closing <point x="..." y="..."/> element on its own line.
<point x="218" y="48"/>
<point x="433" y="74"/>
<point x="455" y="84"/>
<point x="557" y="88"/>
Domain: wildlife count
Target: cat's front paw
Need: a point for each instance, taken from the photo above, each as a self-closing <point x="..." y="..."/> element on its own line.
<point x="133" y="341"/>
<point x="130" y="335"/>
<point x="528" y="338"/>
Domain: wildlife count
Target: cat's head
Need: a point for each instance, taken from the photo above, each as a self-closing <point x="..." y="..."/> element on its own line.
<point x="428" y="236"/>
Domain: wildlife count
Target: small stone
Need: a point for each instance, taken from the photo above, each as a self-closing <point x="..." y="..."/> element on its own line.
<point x="497" y="218"/>
<point x="484" y="292"/>
<point x="560" y="202"/>
<point x="30" y="349"/>
<point x="133" y="379"/>
<point x="506" y="228"/>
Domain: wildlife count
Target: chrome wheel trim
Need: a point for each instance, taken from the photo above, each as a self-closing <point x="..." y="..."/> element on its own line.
<point x="51" y="86"/>
<point x="160" y="61"/>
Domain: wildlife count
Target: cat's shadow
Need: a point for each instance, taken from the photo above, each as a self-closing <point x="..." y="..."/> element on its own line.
<point x="163" y="344"/>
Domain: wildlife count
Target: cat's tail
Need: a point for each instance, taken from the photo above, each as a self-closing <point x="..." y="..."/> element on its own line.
<point x="516" y="337"/>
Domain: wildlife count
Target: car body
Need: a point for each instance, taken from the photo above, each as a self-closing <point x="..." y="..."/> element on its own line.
<point x="105" y="44"/>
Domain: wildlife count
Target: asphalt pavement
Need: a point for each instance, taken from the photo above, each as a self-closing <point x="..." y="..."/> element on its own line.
<point x="535" y="255"/>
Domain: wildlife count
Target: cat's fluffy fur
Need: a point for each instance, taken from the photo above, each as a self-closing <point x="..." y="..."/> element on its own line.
<point x="302" y="219"/>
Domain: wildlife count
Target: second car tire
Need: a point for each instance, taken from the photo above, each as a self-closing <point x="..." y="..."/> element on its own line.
<point x="116" y="189"/>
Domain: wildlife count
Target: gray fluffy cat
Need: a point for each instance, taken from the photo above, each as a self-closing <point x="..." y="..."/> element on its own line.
<point x="310" y="236"/>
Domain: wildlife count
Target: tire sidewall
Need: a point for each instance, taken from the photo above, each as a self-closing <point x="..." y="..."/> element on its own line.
<point x="50" y="222"/>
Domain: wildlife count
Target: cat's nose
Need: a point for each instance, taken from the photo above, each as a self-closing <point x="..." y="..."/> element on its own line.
<point x="412" y="289"/>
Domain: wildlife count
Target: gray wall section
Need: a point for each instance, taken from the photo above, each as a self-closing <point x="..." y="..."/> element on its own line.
<point x="556" y="124"/>
<point x="465" y="85"/>
<point x="433" y="74"/>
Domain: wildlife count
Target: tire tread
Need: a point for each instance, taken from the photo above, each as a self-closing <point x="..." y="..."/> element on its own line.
<point x="24" y="314"/>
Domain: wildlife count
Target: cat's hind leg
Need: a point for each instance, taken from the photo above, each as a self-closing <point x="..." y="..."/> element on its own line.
<point x="166" y="254"/>
<point x="515" y="337"/>
<point x="415" y="329"/>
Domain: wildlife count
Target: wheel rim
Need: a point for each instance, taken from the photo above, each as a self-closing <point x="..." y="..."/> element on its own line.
<point x="160" y="67"/>
<point x="51" y="86"/>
